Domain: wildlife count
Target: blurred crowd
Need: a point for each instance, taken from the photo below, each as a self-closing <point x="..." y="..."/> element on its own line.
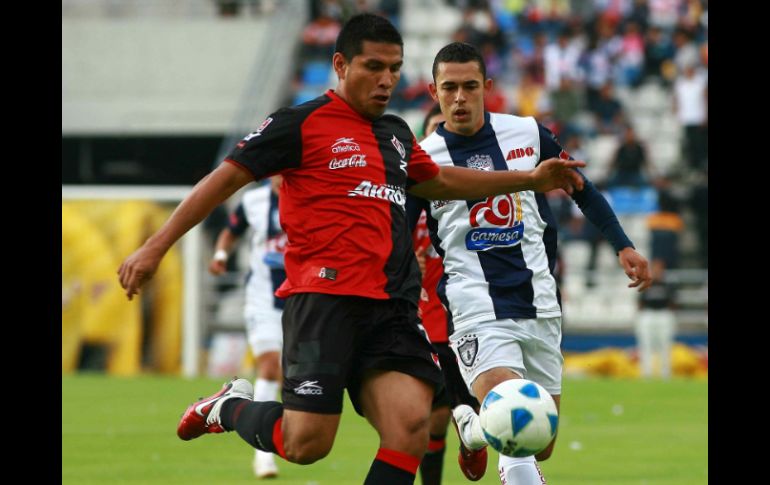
<point x="563" y="61"/>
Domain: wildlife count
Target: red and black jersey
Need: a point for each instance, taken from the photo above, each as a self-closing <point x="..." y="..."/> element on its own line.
<point x="342" y="197"/>
<point x="434" y="315"/>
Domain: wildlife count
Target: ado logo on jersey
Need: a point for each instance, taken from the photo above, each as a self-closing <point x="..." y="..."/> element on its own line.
<point x="496" y="222"/>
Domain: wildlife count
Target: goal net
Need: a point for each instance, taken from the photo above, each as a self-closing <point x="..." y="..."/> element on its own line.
<point x="160" y="330"/>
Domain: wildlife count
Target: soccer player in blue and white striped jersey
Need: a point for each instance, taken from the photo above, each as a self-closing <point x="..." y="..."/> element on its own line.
<point x="500" y="252"/>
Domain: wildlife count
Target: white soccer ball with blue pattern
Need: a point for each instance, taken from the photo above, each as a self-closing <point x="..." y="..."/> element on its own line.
<point x="519" y="418"/>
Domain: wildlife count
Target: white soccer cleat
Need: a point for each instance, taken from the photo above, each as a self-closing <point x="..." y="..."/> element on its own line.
<point x="264" y="465"/>
<point x="469" y="427"/>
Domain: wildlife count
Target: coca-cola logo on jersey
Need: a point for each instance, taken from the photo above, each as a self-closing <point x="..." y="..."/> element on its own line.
<point x="350" y="162"/>
<point x="345" y="145"/>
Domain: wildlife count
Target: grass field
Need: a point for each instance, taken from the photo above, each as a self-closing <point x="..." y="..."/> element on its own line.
<point x="613" y="432"/>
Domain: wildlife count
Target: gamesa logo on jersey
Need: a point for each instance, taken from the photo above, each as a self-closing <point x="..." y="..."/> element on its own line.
<point x="496" y="222"/>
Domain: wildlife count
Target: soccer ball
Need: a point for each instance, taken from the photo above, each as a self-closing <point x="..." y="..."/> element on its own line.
<point x="519" y="418"/>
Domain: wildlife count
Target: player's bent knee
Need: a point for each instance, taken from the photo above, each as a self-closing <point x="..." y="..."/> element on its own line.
<point x="305" y="453"/>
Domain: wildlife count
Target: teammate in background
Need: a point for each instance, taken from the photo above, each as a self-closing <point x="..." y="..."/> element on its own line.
<point x="262" y="310"/>
<point x="656" y="323"/>
<point x="438" y="325"/>
<point x="500" y="251"/>
<point x="352" y="281"/>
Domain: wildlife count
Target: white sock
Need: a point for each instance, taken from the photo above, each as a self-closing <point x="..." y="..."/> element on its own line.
<point x="519" y="471"/>
<point x="265" y="390"/>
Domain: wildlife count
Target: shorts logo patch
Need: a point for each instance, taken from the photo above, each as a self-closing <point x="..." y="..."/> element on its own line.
<point x="468" y="350"/>
<point x="309" y="387"/>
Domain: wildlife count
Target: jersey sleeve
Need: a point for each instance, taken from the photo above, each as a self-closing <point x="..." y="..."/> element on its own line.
<point x="414" y="207"/>
<point x="237" y="222"/>
<point x="421" y="167"/>
<point x="550" y="146"/>
<point x="590" y="201"/>
<point x="275" y="146"/>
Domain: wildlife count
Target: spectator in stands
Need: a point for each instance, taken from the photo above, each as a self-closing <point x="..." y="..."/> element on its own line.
<point x="319" y="36"/>
<point x="530" y="98"/>
<point x="596" y="69"/>
<point x="658" y="56"/>
<point x="665" y="225"/>
<point x="630" y="166"/>
<point x="686" y="53"/>
<point x="566" y="102"/>
<point x="631" y="58"/>
<point x="691" y="108"/>
<point x="560" y="61"/>
<point x="228" y="8"/>
<point x="608" y="112"/>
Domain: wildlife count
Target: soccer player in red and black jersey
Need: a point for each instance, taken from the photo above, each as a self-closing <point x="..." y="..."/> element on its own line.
<point x="352" y="286"/>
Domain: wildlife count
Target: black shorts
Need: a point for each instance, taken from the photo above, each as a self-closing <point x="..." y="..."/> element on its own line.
<point x="455" y="391"/>
<point x="330" y="341"/>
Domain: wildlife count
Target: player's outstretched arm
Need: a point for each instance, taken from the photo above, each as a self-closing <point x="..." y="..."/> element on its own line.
<point x="636" y="267"/>
<point x="211" y="191"/>
<point x="463" y="183"/>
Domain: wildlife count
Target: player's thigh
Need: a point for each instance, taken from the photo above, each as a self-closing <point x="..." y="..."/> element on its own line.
<point x="488" y="346"/>
<point x="541" y="348"/>
<point x="398" y="406"/>
<point x="319" y="336"/>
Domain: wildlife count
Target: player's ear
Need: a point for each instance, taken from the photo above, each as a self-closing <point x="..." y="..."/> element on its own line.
<point x="340" y="64"/>
<point x="433" y="91"/>
<point x="488" y="84"/>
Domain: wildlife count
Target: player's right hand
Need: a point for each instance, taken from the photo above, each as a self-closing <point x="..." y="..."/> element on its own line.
<point x="217" y="267"/>
<point x="137" y="269"/>
<point x="556" y="173"/>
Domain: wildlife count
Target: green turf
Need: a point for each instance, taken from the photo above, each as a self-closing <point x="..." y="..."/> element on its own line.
<point x="614" y="432"/>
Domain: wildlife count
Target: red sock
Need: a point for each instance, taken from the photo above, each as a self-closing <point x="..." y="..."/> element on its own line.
<point x="391" y="467"/>
<point x="278" y="438"/>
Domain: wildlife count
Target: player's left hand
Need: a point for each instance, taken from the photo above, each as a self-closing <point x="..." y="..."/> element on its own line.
<point x="636" y="267"/>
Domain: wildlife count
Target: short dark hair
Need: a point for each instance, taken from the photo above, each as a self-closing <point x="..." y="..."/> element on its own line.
<point x="365" y="26"/>
<point x="459" y="52"/>
<point x="436" y="109"/>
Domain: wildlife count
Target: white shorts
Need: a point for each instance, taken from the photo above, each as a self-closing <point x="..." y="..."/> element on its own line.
<point x="263" y="330"/>
<point x="529" y="347"/>
<point x="263" y="320"/>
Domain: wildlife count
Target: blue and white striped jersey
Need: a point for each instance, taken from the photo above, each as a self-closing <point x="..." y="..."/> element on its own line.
<point x="500" y="252"/>
<point x="259" y="209"/>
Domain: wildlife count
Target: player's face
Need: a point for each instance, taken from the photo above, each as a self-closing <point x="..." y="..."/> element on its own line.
<point x="367" y="81"/>
<point x="459" y="89"/>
